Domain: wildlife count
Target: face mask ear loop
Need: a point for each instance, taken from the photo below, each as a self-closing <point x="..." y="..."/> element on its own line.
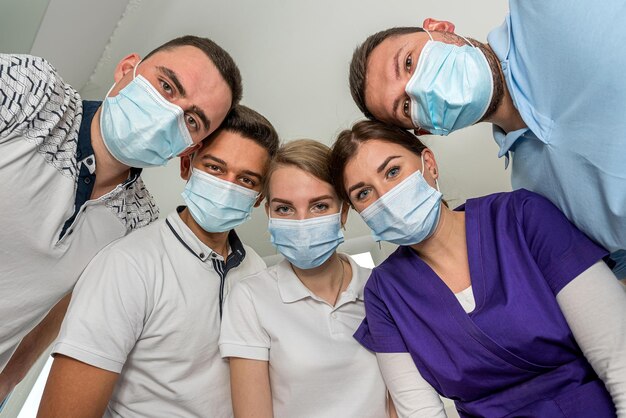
<point x="429" y="35"/>
<point x="468" y="42"/>
<point x="424" y="169"/>
<point x="135" y="69"/>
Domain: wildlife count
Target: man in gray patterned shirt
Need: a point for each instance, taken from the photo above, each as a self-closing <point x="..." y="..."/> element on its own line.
<point x="70" y="173"/>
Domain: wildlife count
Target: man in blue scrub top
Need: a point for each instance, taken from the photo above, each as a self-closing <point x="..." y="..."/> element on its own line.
<point x="551" y="82"/>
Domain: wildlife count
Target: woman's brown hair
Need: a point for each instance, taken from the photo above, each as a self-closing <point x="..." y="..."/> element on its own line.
<point x="349" y="140"/>
<point x="306" y="154"/>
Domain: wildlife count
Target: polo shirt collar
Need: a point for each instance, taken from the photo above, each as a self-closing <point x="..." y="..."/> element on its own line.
<point x="291" y="289"/>
<point x="236" y="251"/>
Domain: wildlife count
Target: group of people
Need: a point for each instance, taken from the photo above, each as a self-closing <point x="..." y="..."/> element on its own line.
<point x="510" y="304"/>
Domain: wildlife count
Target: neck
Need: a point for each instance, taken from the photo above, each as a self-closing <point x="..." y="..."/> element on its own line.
<point x="109" y="171"/>
<point x="324" y="281"/>
<point x="217" y="241"/>
<point x="506" y="115"/>
<point x="502" y="111"/>
<point x="447" y="245"/>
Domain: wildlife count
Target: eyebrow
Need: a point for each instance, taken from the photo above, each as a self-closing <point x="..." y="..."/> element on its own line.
<point x="354" y="187"/>
<point x="252" y="174"/>
<point x="396" y="64"/>
<point x="315" y="199"/>
<point x="179" y="86"/>
<point x="205" y="121"/>
<point x="214" y="158"/>
<point x="172" y="76"/>
<point x="384" y="164"/>
<point x="323" y="197"/>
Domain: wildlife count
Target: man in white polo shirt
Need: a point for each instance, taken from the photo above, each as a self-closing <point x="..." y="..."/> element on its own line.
<point x="141" y="333"/>
<point x="70" y="172"/>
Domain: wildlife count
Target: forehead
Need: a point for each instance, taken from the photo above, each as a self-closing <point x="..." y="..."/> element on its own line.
<point x="291" y="183"/>
<point x="384" y="76"/>
<point x="370" y="155"/>
<point x="239" y="152"/>
<point x="204" y="85"/>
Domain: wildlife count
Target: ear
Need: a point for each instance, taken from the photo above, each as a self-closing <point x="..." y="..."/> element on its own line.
<point x="190" y="150"/>
<point x="345" y="208"/>
<point x="259" y="200"/>
<point x="126" y="65"/>
<point x="438" y="25"/>
<point x="430" y="164"/>
<point x="185" y="166"/>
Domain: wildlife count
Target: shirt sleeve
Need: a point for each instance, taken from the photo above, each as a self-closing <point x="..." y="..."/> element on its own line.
<point x="378" y="331"/>
<point x="107" y="312"/>
<point x="412" y="395"/>
<point x="594" y="305"/>
<point x="560" y="250"/>
<point x="30" y="89"/>
<point x="242" y="334"/>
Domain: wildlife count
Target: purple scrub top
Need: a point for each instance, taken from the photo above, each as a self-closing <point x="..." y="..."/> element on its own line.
<point x="514" y="355"/>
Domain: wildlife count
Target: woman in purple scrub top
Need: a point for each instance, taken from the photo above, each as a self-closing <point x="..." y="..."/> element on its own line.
<point x="501" y="304"/>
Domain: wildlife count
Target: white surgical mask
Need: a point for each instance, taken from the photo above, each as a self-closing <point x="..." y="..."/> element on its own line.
<point x="407" y="214"/>
<point x="140" y="128"/>
<point x="306" y="243"/>
<point x="217" y="205"/>
<point x="451" y="87"/>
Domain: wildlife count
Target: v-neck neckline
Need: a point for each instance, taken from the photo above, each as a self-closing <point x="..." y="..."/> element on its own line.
<point x="477" y="281"/>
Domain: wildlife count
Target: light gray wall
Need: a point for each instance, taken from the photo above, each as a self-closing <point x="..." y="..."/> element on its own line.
<point x="294" y="58"/>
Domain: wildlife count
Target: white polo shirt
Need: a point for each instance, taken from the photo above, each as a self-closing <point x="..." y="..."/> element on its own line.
<point x="148" y="307"/>
<point x="49" y="229"/>
<point x="317" y="369"/>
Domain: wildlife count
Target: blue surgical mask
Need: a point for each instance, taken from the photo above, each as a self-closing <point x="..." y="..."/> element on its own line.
<point x="307" y="243"/>
<point x="451" y="87"/>
<point x="406" y="214"/>
<point x="140" y="128"/>
<point x="215" y="204"/>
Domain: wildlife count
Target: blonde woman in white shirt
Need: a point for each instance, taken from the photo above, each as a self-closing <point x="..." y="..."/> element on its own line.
<point x="288" y="330"/>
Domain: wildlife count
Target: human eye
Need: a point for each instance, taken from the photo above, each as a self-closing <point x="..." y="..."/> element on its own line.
<point x="361" y="194"/>
<point x="167" y="88"/>
<point x="191" y="122"/>
<point x="392" y="172"/>
<point x="408" y="63"/>
<point x="248" y="182"/>
<point x="406" y="108"/>
<point x="320" y="207"/>
<point x="213" y="167"/>
<point x="283" y="210"/>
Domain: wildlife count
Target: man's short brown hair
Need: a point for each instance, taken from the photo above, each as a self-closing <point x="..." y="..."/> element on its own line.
<point x="358" y="65"/>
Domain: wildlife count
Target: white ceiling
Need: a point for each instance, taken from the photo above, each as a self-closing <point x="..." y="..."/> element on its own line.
<point x="294" y="58"/>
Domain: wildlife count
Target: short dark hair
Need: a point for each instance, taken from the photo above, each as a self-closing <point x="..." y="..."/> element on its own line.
<point x="358" y="65"/>
<point x="222" y="60"/>
<point x="250" y="124"/>
<point x="349" y="140"/>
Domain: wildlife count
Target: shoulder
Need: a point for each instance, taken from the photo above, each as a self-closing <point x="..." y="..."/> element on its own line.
<point x="252" y="260"/>
<point x="257" y="284"/>
<point x="134" y="206"/>
<point x="33" y="89"/>
<point x="142" y="246"/>
<point x="515" y="202"/>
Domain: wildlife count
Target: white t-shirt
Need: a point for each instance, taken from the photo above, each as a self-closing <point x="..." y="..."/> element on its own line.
<point x="147" y="307"/>
<point x="49" y="229"/>
<point x="317" y="369"/>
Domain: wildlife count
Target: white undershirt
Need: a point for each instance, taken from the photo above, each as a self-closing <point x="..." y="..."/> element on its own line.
<point x="594" y="305"/>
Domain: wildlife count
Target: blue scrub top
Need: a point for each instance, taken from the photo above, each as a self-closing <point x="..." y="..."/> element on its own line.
<point x="514" y="353"/>
<point x="564" y="65"/>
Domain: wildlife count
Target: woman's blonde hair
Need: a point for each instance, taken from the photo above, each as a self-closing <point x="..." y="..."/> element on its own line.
<point x="306" y="154"/>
